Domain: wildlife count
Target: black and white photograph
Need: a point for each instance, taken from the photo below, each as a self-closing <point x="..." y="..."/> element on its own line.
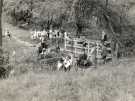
<point x="67" y="50"/>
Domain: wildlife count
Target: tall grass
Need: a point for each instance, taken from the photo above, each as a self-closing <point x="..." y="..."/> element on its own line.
<point x="106" y="83"/>
<point x="103" y="84"/>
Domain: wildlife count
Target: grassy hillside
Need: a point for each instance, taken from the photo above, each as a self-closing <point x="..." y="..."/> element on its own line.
<point x="31" y="83"/>
<point x="106" y="83"/>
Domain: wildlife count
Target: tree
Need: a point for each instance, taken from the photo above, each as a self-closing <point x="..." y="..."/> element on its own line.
<point x="1" y="3"/>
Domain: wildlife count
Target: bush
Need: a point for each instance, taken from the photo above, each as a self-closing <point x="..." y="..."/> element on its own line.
<point x="5" y="66"/>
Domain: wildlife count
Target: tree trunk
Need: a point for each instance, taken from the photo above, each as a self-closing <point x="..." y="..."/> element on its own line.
<point x="115" y="49"/>
<point x="106" y="3"/>
<point x="1" y="2"/>
<point x="115" y="42"/>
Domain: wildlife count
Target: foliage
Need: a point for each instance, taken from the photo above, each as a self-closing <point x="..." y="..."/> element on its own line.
<point x="84" y="17"/>
<point x="5" y="67"/>
<point x="46" y="13"/>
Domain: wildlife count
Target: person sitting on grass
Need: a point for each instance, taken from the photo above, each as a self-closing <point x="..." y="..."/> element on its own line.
<point x="60" y="64"/>
<point x="67" y="63"/>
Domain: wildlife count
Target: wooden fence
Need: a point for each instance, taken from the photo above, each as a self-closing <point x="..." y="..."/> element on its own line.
<point x="77" y="46"/>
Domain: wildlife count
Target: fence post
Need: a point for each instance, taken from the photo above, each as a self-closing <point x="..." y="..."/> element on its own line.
<point x="75" y="47"/>
<point x="114" y="48"/>
<point x="65" y="43"/>
<point x="97" y="48"/>
<point x="88" y="49"/>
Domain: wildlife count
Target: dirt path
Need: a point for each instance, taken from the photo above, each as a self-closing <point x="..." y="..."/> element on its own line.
<point x="22" y="42"/>
<point x="22" y="36"/>
<point x="19" y="35"/>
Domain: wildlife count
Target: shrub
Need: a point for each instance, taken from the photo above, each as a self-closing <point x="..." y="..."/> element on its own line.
<point x="5" y="66"/>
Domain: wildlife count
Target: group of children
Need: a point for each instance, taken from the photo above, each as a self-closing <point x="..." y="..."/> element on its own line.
<point x="49" y="34"/>
<point x="65" y="63"/>
<point x="45" y="36"/>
